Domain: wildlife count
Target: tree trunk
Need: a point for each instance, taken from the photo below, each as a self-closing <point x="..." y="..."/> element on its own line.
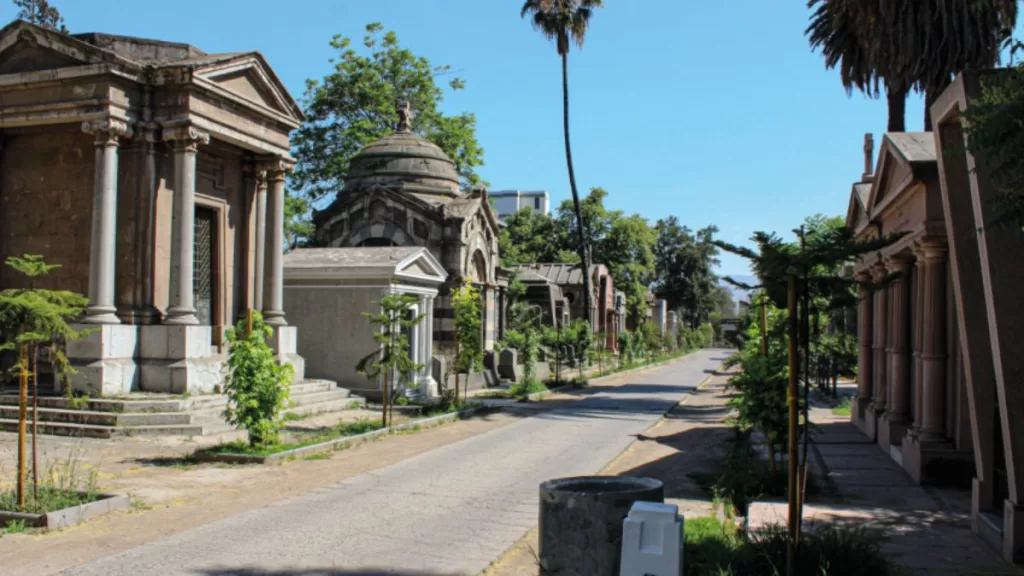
<point x="384" y="400"/>
<point x="580" y="224"/>
<point x="35" y="421"/>
<point x="897" y="102"/>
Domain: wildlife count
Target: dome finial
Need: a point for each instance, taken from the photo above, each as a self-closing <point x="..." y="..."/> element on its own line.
<point x="404" y="116"/>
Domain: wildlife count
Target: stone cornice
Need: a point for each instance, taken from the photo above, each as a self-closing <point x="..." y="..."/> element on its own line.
<point x="275" y="168"/>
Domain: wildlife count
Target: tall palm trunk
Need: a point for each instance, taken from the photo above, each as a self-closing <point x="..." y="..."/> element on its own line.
<point x="580" y="225"/>
<point x="897" y="100"/>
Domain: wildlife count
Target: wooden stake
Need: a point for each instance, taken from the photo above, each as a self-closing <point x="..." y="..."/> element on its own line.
<point x="764" y="324"/>
<point x="791" y="399"/>
<point x="22" y="417"/>
<point x="35" y="421"/>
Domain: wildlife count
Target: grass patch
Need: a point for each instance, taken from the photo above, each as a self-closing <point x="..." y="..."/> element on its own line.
<point x="15" y="527"/>
<point x="743" y="477"/>
<point x="713" y="548"/>
<point x="527" y="387"/>
<point x="318" y="456"/>
<point x="62" y="485"/>
<point x="843" y="409"/>
<point x="340" y="431"/>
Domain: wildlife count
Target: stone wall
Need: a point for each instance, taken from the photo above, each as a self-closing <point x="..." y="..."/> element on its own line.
<point x="46" y="185"/>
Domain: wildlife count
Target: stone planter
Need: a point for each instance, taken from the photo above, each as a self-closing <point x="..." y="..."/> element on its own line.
<point x="581" y="522"/>
<point x="69" y="516"/>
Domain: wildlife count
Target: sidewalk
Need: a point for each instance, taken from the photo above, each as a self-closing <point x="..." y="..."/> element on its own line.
<point x="928" y="529"/>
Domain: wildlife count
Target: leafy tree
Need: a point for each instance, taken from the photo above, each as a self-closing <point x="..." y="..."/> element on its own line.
<point x="31" y="318"/>
<point x="391" y="359"/>
<point x="41" y="13"/>
<point x="298" y="226"/>
<point x="468" y="344"/>
<point x="531" y="341"/>
<point x="564" y="21"/>
<point x="354" y="105"/>
<point x="257" y="386"/>
<point x="533" y="237"/>
<point x="996" y="141"/>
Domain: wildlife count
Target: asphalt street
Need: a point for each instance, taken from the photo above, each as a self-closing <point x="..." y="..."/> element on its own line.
<point x="452" y="510"/>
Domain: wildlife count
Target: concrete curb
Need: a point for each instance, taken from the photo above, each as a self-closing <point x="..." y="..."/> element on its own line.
<point x="69" y="516"/>
<point x="344" y="441"/>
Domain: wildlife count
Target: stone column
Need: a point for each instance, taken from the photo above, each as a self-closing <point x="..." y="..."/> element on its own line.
<point x="186" y="140"/>
<point x="898" y="386"/>
<point x="933" y="421"/>
<point x="261" y="238"/>
<point x="273" y="296"/>
<point x="102" y="248"/>
<point x="865" y="325"/>
<point x="881" y="326"/>
<point x="919" y="334"/>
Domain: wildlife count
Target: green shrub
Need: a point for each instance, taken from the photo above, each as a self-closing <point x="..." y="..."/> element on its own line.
<point x="527" y="387"/>
<point x="257" y="385"/>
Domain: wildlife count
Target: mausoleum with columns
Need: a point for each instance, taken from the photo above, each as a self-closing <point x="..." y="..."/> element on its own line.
<point x="939" y="373"/>
<point x="153" y="174"/>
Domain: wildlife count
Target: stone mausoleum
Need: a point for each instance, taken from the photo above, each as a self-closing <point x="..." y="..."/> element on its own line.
<point x="154" y="175"/>
<point x="402" y="190"/>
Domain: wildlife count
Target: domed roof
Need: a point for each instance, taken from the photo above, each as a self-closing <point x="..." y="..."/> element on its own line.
<point x="405" y="161"/>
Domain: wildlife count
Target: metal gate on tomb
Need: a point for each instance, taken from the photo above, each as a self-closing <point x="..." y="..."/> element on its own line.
<point x="204" y="279"/>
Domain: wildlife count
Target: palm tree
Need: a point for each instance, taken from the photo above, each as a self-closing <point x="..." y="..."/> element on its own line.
<point x="849" y="35"/>
<point x="562" y="21"/>
<point x="908" y="45"/>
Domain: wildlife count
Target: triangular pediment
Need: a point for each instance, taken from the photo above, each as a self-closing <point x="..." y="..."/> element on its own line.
<point x="892" y="173"/>
<point x="28" y="48"/>
<point x="248" y="76"/>
<point x="422" y="265"/>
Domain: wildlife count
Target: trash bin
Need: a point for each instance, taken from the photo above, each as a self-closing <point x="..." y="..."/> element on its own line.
<point x="581" y="522"/>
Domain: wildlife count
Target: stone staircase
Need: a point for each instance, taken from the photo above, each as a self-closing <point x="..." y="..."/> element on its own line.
<point x="160" y="415"/>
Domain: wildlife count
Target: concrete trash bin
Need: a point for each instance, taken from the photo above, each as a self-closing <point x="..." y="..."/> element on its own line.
<point x="581" y="522"/>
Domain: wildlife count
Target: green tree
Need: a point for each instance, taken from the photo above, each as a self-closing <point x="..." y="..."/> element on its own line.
<point x="298" y="226"/>
<point x="685" y="269"/>
<point x="256" y="386"/>
<point x="41" y="13"/>
<point x="29" y="319"/>
<point x="391" y="359"/>
<point x="908" y="45"/>
<point x="533" y="237"/>
<point x="355" y="104"/>
<point x="564" y="21"/>
<point x="468" y="343"/>
<point x="994" y="138"/>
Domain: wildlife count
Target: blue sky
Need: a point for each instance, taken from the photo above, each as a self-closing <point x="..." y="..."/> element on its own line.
<point x="715" y="112"/>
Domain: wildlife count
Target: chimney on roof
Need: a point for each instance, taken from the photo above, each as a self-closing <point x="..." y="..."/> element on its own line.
<point x="869" y="154"/>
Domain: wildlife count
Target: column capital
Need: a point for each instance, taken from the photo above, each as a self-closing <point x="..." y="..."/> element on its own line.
<point x="898" y="262"/>
<point x="255" y="172"/>
<point x="276" y="168"/>
<point x="107" y="131"/>
<point x="188" y="138"/>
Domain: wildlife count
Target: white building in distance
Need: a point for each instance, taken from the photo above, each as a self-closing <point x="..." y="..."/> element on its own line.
<point x="508" y="202"/>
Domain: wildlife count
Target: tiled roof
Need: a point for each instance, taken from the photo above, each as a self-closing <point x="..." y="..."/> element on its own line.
<point x="558" y="273"/>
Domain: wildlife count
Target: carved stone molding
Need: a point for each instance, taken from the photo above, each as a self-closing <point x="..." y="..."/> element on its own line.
<point x="107" y="131"/>
<point x="276" y="168"/>
<point x="187" y="137"/>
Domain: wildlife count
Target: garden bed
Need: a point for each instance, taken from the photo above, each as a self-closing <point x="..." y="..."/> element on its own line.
<point x="343" y="436"/>
<point x="70" y="509"/>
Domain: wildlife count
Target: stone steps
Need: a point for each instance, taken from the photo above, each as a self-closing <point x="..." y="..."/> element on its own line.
<point x="144" y="414"/>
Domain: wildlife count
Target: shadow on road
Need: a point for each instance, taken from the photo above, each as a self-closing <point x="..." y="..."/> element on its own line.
<point x="316" y="572"/>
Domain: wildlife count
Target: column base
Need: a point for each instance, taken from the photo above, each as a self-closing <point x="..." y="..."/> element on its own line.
<point x="891" y="429"/>
<point x="1013" y="532"/>
<point x="274" y="318"/>
<point x="101" y="315"/>
<point x="861" y="414"/>
<point x="141" y="316"/>
<point x="936" y="462"/>
<point x="178" y="316"/>
<point x="284" y="342"/>
<point x="104" y="360"/>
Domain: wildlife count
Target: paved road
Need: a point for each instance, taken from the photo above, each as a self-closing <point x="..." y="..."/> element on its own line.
<point x="452" y="510"/>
